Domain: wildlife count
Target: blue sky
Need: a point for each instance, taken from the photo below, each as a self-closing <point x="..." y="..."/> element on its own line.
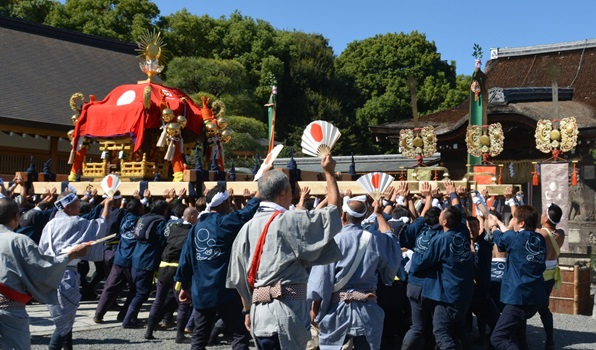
<point x="453" y="25"/>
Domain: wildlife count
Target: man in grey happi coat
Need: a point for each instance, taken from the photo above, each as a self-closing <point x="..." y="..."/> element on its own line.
<point x="343" y="293"/>
<point x="24" y="274"/>
<point x="274" y="294"/>
<point x="65" y="230"/>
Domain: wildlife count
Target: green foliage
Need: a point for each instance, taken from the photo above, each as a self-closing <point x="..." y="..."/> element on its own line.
<point x="224" y="79"/>
<point x="250" y="135"/>
<point x="234" y="58"/>
<point x="30" y="10"/>
<point x="379" y="67"/>
<point x="477" y="52"/>
<point x="123" y="20"/>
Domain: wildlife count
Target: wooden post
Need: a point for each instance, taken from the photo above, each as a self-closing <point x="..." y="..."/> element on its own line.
<point x="576" y="289"/>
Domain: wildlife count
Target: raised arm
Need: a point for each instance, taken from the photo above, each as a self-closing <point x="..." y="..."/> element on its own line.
<point x="328" y="165"/>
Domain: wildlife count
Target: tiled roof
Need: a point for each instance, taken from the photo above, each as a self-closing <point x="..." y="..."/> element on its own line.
<point x="43" y="66"/>
<point x="576" y="69"/>
<point x="390" y="163"/>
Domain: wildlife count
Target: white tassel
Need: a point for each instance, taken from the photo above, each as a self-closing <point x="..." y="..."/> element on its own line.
<point x="162" y="138"/>
<point x="104" y="154"/>
<point x="71" y="157"/>
<point x="171" y="151"/>
<point x="121" y="155"/>
<point x="80" y="143"/>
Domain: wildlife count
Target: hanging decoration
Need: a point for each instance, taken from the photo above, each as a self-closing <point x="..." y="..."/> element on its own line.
<point x="558" y="135"/>
<point x="216" y="131"/>
<point x="485" y="141"/>
<point x="556" y="138"/>
<point x="78" y="153"/>
<point x="417" y="143"/>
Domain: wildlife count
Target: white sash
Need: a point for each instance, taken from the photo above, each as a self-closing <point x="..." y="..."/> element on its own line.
<point x="364" y="240"/>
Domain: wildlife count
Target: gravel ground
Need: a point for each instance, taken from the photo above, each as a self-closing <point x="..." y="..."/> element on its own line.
<point x="571" y="332"/>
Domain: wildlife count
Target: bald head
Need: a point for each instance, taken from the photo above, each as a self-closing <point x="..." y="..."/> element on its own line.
<point x="358" y="207"/>
<point x="191" y="215"/>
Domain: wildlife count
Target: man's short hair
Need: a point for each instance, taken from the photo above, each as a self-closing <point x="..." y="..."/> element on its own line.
<point x="8" y="210"/>
<point x="178" y="210"/>
<point x="431" y="217"/>
<point x="159" y="207"/>
<point x="135" y="207"/>
<point x="453" y="217"/>
<point x="528" y="215"/>
<point x="399" y="212"/>
<point x="554" y="214"/>
<point x="201" y="204"/>
<point x="271" y="184"/>
<point x="473" y="218"/>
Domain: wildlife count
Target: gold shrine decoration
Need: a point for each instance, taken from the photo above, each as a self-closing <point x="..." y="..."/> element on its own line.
<point x="418" y="142"/>
<point x="485" y="140"/>
<point x="550" y="136"/>
<point x="151" y="50"/>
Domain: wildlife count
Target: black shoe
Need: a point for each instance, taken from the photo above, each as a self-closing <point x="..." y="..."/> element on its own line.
<point x="132" y="325"/>
<point x="97" y="319"/>
<point x="183" y="340"/>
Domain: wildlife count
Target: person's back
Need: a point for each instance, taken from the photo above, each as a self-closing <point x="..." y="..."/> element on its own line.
<point x="24" y="274"/>
<point x="344" y="292"/>
<point x="448" y="270"/>
<point x="146" y="257"/>
<point x="523" y="290"/>
<point x="293" y="241"/>
<point x="150" y="241"/>
<point x="554" y="238"/>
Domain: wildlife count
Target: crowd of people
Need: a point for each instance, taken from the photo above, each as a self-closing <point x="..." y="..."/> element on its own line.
<point x="286" y="269"/>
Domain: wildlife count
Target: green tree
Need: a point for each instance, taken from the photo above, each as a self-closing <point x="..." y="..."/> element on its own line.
<point x="250" y="136"/>
<point x="30" y="10"/>
<point x="224" y="79"/>
<point x="124" y="20"/>
<point x="379" y="68"/>
<point x="190" y="35"/>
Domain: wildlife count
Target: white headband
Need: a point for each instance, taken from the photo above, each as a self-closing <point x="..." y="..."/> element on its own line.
<point x="548" y="216"/>
<point x="68" y="199"/>
<point x="345" y="207"/>
<point x="217" y="200"/>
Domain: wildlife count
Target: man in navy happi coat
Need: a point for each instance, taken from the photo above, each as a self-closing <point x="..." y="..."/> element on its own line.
<point x="203" y="269"/>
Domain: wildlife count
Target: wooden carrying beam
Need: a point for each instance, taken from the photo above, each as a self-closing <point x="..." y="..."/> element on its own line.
<point x="126" y="188"/>
<point x="319" y="188"/>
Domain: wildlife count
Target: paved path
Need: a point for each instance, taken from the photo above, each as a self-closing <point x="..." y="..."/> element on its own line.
<point x="571" y="332"/>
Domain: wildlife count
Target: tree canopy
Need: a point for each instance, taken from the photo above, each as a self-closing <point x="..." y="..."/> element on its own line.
<point x="234" y="59"/>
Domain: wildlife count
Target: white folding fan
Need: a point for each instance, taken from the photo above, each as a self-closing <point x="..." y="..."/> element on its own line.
<point x="375" y="184"/>
<point x="271" y="156"/>
<point x="110" y="184"/>
<point x="319" y="137"/>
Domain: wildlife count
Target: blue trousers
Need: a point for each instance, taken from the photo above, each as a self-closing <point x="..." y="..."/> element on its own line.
<point x="117" y="280"/>
<point x="231" y="315"/>
<point x="449" y="325"/>
<point x="158" y="308"/>
<point x="546" y="316"/>
<point x="143" y="281"/>
<point x="421" y="315"/>
<point x="512" y="323"/>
